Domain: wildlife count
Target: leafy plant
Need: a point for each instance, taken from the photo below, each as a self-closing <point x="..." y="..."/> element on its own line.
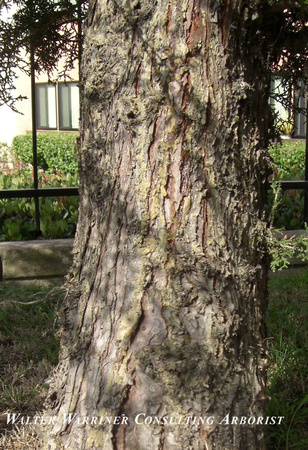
<point x="56" y="152"/>
<point x="288" y="159"/>
<point x="59" y="215"/>
<point x="285" y="126"/>
<point x="282" y="248"/>
<point x="288" y="206"/>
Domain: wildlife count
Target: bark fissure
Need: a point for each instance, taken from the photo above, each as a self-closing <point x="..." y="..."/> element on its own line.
<point x="171" y="274"/>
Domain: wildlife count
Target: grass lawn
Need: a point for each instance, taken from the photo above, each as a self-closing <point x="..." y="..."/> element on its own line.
<point x="29" y="351"/>
<point x="287" y="319"/>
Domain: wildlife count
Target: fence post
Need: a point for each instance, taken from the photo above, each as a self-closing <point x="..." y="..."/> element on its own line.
<point x="34" y="142"/>
<point x="306" y="168"/>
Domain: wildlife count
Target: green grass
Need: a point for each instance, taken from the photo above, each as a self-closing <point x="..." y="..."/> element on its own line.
<point x="287" y="319"/>
<point x="29" y="351"/>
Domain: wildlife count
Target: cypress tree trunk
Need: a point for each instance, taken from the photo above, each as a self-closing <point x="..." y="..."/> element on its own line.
<point x="164" y="313"/>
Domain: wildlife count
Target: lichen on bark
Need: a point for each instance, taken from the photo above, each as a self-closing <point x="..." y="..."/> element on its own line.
<point x="165" y="307"/>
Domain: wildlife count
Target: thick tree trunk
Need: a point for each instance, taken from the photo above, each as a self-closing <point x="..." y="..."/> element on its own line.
<point x="164" y="315"/>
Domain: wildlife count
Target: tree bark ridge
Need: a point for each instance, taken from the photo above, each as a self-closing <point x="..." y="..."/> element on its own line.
<point x="164" y="313"/>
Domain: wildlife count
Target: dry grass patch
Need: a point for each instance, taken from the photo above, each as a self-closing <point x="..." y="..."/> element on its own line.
<point x="28" y="354"/>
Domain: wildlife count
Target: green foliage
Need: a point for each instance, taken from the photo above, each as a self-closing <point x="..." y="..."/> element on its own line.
<point x="287" y="384"/>
<point x="56" y="152"/>
<point x="287" y="207"/>
<point x="289" y="160"/>
<point x="52" y="30"/>
<point x="282" y="248"/>
<point x="59" y="215"/>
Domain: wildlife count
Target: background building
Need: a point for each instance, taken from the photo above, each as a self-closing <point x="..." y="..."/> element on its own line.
<point x="57" y="104"/>
<point x="57" y="107"/>
<point x="293" y="123"/>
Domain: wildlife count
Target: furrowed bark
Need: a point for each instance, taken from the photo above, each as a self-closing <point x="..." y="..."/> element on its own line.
<point x="164" y="314"/>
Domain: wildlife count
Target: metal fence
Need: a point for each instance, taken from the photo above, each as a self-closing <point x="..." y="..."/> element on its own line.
<point x="301" y="184"/>
<point x="37" y="192"/>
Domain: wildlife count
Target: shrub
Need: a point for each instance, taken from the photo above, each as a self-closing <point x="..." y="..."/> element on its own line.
<point x="56" y="151"/>
<point x="288" y="164"/>
<point x="289" y="160"/>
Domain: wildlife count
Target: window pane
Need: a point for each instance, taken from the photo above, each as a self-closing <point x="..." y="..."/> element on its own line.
<point x="300" y="117"/>
<point x="46" y="115"/>
<point x="75" y="105"/>
<point x="64" y="106"/>
<point x="41" y="101"/>
<point x="69" y="106"/>
<point x="278" y="89"/>
<point x="52" y="111"/>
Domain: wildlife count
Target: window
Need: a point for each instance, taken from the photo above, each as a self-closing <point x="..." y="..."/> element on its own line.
<point x="297" y="98"/>
<point x="300" y="116"/>
<point x="46" y="109"/>
<point x="281" y="94"/>
<point x="68" y="106"/>
<point x="57" y="106"/>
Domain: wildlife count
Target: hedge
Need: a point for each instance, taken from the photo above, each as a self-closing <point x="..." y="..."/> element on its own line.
<point x="288" y="164"/>
<point x="56" y="151"/>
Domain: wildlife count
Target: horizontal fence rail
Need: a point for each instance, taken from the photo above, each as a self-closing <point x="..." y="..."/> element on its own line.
<point x="74" y="191"/>
<point x="298" y="184"/>
<point x="39" y="192"/>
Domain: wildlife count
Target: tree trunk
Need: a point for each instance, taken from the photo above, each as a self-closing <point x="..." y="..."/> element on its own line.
<point x="163" y="322"/>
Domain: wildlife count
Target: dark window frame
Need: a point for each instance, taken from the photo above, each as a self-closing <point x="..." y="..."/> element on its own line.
<point x="60" y="117"/>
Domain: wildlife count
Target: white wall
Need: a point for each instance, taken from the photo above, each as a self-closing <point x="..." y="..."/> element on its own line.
<point x="11" y="123"/>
